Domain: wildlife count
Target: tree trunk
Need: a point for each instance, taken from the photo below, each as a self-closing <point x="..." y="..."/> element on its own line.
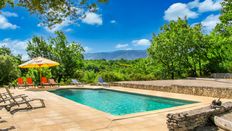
<point x="200" y="67"/>
<point x="195" y="70"/>
<point x="173" y="75"/>
<point x="172" y="72"/>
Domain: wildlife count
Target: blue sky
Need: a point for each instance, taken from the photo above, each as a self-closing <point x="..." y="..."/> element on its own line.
<point x="118" y="25"/>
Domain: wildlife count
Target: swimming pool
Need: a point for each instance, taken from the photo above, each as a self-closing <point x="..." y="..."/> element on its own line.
<point x="117" y="102"/>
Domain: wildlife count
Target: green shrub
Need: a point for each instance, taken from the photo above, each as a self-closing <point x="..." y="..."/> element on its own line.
<point x="112" y="76"/>
<point x="79" y="75"/>
<point x="90" y="77"/>
<point x="9" y="70"/>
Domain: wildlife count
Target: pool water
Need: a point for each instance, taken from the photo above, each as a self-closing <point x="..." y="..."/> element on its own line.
<point x="119" y="103"/>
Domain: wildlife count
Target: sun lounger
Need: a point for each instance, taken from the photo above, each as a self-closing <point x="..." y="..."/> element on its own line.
<point x="20" y="82"/>
<point x="29" y="82"/>
<point x="44" y="82"/>
<point x="24" y="100"/>
<point x="102" y="82"/>
<point x="53" y="82"/>
<point x="76" y="82"/>
<point x="4" y="97"/>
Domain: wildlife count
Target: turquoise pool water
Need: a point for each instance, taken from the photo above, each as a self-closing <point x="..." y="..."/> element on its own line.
<point x="119" y="103"/>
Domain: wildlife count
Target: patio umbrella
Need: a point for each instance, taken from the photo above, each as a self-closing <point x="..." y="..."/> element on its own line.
<point x="38" y="63"/>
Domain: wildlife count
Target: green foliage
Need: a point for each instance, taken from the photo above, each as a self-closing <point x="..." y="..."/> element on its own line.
<point x="3" y="3"/>
<point x="69" y="55"/>
<point x="9" y="70"/>
<point x="117" y="70"/>
<point x="226" y="13"/>
<point x="39" y="47"/>
<point x="220" y="53"/>
<point x="112" y="76"/>
<point x="225" y="27"/>
<point x="35" y="74"/>
<point x="5" y="51"/>
<point x="185" y="51"/>
<point x="79" y="74"/>
<point x="90" y="77"/>
<point x="53" y="12"/>
<point x="179" y="48"/>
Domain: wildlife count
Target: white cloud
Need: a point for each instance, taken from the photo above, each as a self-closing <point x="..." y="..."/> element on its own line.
<point x="210" y="22"/>
<point x="206" y="5"/>
<point x="209" y="5"/>
<point x="68" y="30"/>
<point x="191" y="9"/>
<point x="16" y="46"/>
<point x="121" y="46"/>
<point x="9" y="14"/>
<point x="58" y="27"/>
<point x="92" y="19"/>
<point x="5" y="24"/>
<point x="87" y="49"/>
<point x="141" y="42"/>
<point x="113" y="21"/>
<point x="193" y="4"/>
<point x="179" y="10"/>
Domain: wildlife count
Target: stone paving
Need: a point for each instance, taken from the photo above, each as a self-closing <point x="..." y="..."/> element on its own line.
<point x="63" y="114"/>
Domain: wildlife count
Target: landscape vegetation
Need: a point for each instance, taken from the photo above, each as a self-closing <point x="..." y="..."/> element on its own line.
<point x="180" y="50"/>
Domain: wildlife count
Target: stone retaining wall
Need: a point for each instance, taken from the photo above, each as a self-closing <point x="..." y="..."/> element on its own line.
<point x="192" y="90"/>
<point x="189" y="120"/>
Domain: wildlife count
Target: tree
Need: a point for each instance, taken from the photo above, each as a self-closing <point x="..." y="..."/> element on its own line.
<point x="39" y="47"/>
<point x="5" y="51"/>
<point x="197" y="50"/>
<point x="54" y="12"/>
<point x="9" y="70"/>
<point x="220" y="53"/>
<point x="180" y="48"/>
<point x="69" y="55"/>
<point x="226" y="13"/>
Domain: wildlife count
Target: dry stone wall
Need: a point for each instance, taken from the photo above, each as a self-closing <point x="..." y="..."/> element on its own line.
<point x="189" y="120"/>
<point x="192" y="90"/>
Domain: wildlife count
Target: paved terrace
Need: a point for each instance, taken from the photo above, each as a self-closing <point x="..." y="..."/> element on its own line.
<point x="63" y="114"/>
<point x="204" y="82"/>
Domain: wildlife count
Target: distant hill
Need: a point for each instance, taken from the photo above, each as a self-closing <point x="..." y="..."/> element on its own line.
<point x="116" y="55"/>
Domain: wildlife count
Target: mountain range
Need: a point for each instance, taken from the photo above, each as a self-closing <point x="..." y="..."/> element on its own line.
<point x="116" y="55"/>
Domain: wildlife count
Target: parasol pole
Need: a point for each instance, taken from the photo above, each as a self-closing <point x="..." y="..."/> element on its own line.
<point x="40" y="74"/>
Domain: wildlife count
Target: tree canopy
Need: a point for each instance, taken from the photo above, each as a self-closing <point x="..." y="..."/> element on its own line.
<point x="53" y="12"/>
<point x="9" y="70"/>
<point x="68" y="54"/>
<point x="180" y="48"/>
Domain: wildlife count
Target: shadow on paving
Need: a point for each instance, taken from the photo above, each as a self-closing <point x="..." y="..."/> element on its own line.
<point x="208" y="127"/>
<point x="7" y="128"/>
